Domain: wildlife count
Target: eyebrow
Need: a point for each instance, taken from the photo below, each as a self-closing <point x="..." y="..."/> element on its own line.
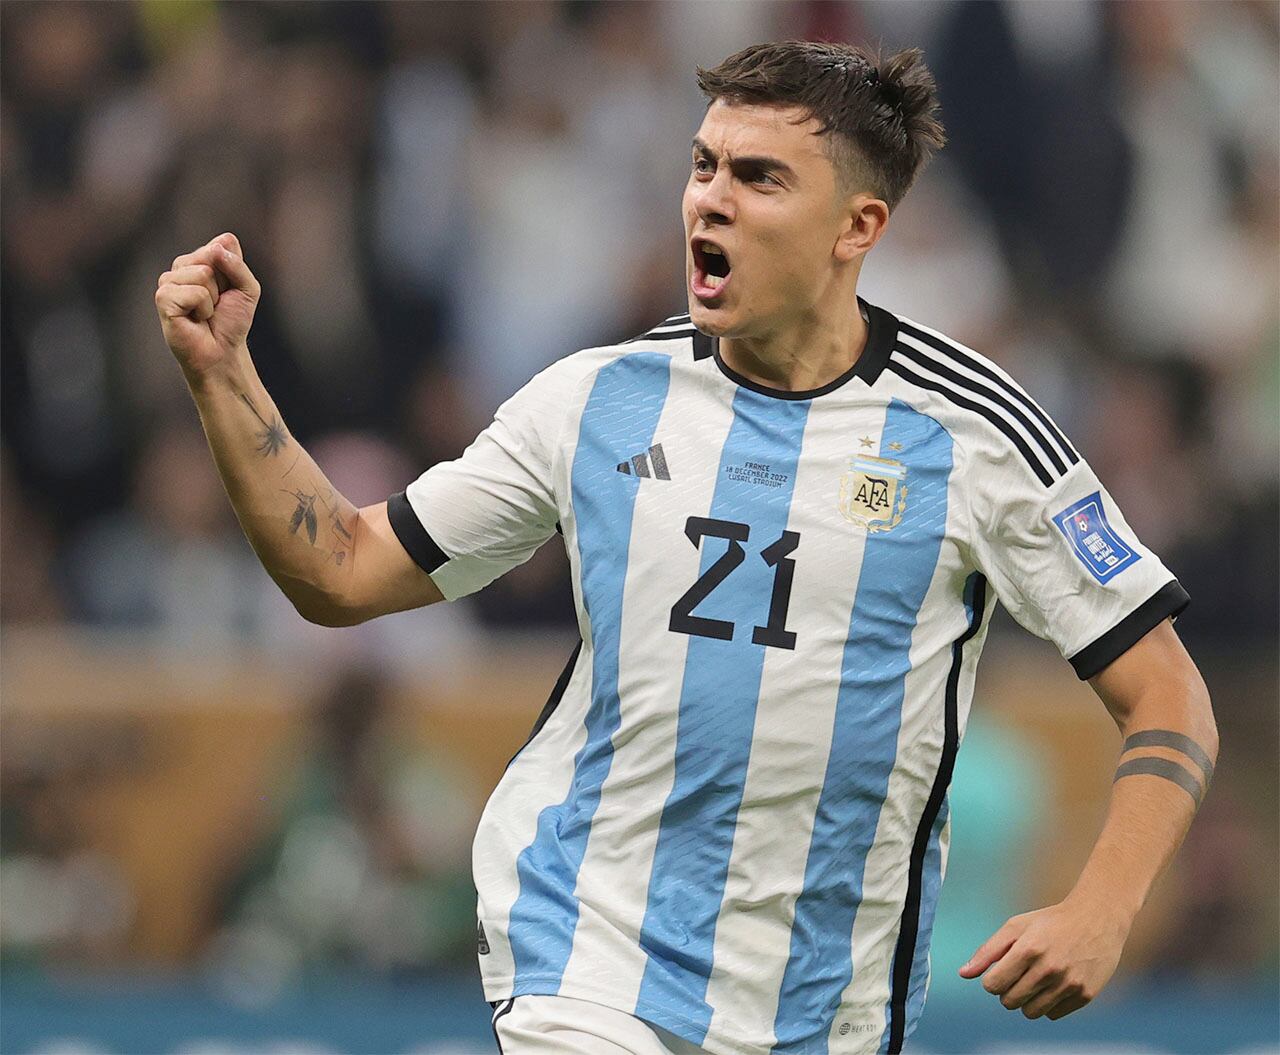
<point x="760" y="162"/>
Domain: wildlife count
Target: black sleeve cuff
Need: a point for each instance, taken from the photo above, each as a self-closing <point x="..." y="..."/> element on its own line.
<point x="1167" y="601"/>
<point x="412" y="535"/>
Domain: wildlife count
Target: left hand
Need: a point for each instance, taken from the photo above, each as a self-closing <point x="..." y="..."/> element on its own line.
<point x="1052" y="961"/>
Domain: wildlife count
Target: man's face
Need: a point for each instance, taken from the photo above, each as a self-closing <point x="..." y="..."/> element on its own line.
<point x="762" y="190"/>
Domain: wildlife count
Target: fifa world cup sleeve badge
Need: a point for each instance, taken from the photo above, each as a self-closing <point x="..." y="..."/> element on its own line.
<point x="1093" y="540"/>
<point x="873" y="493"/>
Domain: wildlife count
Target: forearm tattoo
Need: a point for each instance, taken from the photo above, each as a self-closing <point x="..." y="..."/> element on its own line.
<point x="341" y="538"/>
<point x="318" y="505"/>
<point x="1156" y="766"/>
<point x="273" y="438"/>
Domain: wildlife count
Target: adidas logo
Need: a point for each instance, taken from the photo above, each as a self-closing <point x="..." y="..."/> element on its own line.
<point x="640" y="464"/>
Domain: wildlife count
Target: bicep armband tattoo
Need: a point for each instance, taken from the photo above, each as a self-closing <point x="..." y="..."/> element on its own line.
<point x="1157" y="766"/>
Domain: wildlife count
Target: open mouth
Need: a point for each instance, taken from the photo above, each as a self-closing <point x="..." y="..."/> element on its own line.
<point x="710" y="269"/>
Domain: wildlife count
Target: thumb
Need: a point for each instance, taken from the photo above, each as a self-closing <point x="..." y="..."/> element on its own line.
<point x="989" y="952"/>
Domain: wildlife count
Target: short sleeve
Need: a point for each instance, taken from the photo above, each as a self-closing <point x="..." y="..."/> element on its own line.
<point x="467" y="521"/>
<point x="1064" y="561"/>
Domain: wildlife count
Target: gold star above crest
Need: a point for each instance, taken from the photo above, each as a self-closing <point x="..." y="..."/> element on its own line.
<point x="866" y="441"/>
<point x="895" y="446"/>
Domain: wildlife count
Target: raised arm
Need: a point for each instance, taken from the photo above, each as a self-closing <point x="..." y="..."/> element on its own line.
<point x="339" y="565"/>
<point x="1054" y="961"/>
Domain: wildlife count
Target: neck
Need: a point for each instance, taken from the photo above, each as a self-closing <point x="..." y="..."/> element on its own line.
<point x="804" y="354"/>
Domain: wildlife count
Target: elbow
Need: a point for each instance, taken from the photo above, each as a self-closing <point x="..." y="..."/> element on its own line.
<point x="328" y="616"/>
<point x="329" y="612"/>
<point x="323" y="607"/>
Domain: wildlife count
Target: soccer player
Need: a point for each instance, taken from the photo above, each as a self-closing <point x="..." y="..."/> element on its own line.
<point x="788" y="514"/>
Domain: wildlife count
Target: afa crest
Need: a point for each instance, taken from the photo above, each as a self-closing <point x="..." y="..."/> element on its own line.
<point x="873" y="493"/>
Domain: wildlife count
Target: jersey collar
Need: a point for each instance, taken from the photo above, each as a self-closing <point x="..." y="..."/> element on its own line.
<point x="882" y="331"/>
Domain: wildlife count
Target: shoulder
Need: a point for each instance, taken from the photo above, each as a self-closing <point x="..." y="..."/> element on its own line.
<point x="979" y="402"/>
<point x="563" y="384"/>
<point x="670" y="336"/>
<point x="673" y="336"/>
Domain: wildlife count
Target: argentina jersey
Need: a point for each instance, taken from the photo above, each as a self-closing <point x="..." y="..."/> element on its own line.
<point x="732" y="819"/>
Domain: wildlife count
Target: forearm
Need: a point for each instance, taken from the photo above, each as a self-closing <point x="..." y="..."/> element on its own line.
<point x="1169" y="751"/>
<point x="304" y="532"/>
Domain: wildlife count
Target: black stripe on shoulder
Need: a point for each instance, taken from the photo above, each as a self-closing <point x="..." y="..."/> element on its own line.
<point x="907" y="374"/>
<point x="1166" y="602"/>
<point x="669" y="335"/>
<point x="935" y="365"/>
<point x="949" y="349"/>
<point x="682" y="328"/>
<point x="412" y="535"/>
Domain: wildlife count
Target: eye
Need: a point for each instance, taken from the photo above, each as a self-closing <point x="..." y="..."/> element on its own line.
<point x="701" y="164"/>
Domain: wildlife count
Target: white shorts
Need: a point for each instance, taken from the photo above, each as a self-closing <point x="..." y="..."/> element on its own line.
<point x="560" y="1025"/>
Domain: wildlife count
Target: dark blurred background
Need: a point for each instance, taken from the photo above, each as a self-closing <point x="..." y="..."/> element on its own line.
<point x="225" y="829"/>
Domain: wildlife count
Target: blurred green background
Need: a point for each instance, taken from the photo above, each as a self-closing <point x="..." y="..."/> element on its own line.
<point x="225" y="830"/>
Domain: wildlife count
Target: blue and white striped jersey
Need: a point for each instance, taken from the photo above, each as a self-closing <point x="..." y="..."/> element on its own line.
<point x="732" y="820"/>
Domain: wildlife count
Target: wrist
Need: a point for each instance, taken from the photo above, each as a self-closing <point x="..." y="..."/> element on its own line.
<point x="228" y="372"/>
<point x="1120" y="907"/>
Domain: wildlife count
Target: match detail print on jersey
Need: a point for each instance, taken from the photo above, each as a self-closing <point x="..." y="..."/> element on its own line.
<point x="731" y="820"/>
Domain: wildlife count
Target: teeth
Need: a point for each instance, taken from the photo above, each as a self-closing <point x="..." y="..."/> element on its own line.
<point x="714" y="281"/>
<point x="711" y="249"/>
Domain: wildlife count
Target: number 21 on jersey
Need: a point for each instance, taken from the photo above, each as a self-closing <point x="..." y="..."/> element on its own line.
<point x="776" y="555"/>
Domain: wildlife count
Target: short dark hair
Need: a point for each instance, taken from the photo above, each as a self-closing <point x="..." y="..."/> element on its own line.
<point x="880" y="116"/>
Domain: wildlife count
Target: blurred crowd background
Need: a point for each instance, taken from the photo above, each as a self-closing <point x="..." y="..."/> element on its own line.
<point x="439" y="199"/>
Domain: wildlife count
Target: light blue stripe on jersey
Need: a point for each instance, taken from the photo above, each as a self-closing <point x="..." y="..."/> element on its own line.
<point x="717" y="715"/>
<point x="620" y="417"/>
<point x="897" y="567"/>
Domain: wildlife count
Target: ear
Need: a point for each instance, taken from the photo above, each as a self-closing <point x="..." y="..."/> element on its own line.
<point x="865" y="219"/>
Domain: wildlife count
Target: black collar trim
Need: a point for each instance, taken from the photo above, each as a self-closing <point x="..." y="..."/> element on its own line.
<point x="882" y="331"/>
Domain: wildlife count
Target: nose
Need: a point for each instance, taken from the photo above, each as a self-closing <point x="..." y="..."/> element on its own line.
<point x="713" y="200"/>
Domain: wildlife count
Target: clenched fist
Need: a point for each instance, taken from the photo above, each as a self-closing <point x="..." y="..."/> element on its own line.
<point x="206" y="304"/>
